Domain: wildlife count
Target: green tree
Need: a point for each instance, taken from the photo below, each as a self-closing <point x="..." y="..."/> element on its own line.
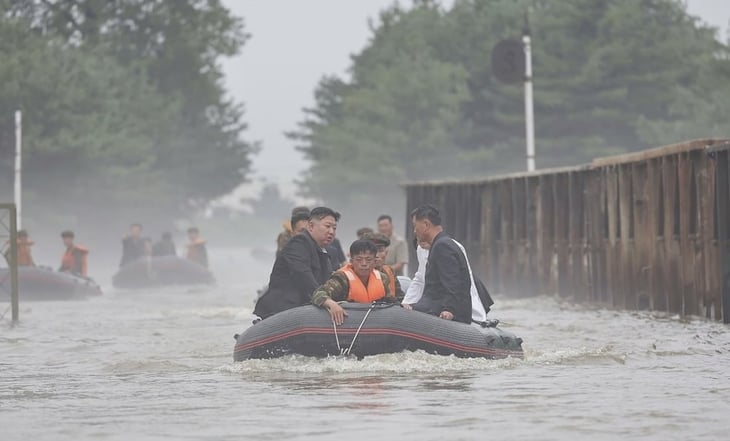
<point x="422" y="102"/>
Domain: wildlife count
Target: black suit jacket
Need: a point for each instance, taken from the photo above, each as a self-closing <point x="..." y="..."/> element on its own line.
<point x="447" y="285"/>
<point x="300" y="268"/>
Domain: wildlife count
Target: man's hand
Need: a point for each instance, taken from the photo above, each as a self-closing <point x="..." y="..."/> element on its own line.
<point x="446" y="315"/>
<point x="406" y="306"/>
<point x="337" y="313"/>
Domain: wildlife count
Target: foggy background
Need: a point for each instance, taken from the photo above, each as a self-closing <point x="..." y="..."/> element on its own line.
<point x="291" y="45"/>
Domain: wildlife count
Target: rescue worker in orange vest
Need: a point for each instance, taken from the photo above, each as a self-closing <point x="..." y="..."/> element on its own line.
<point x="25" y="258"/>
<point x="358" y="281"/>
<point x="382" y="242"/>
<point x="196" y="248"/>
<point x="74" y="259"/>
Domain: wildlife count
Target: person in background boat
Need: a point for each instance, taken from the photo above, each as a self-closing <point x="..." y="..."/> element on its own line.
<point x="301" y="266"/>
<point x="134" y="246"/>
<point x="25" y="257"/>
<point x="165" y="246"/>
<point x="358" y="281"/>
<point x="74" y="259"/>
<point x="415" y="289"/>
<point x="295" y="225"/>
<point x="398" y="250"/>
<point x="447" y="284"/>
<point x="381" y="243"/>
<point x="197" y="251"/>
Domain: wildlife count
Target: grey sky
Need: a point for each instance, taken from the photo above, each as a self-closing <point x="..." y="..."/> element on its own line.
<point x="294" y="43"/>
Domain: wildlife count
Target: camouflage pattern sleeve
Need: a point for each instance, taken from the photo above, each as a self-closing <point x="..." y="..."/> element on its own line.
<point x="337" y="288"/>
<point x="386" y="282"/>
<point x="399" y="294"/>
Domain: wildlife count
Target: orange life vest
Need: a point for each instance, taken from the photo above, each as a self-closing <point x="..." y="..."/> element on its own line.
<point x="391" y="278"/>
<point x="25" y="258"/>
<point x="74" y="260"/>
<point x="358" y="291"/>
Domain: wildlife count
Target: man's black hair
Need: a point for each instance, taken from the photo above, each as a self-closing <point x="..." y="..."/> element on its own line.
<point x="299" y="209"/>
<point x="427" y="212"/>
<point x="22" y="233"/>
<point x="193" y="230"/>
<point x="384" y="217"/>
<point x="362" y="246"/>
<point x="298" y="216"/>
<point x="320" y="213"/>
<point x="67" y="233"/>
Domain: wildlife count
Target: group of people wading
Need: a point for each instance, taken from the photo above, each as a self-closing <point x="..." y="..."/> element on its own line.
<point x="134" y="247"/>
<point x="308" y="269"/>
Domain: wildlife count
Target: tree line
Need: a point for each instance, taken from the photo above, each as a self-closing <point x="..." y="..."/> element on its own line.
<point x="125" y="111"/>
<point x="420" y="101"/>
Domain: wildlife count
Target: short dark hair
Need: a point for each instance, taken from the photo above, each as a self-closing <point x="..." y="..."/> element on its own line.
<point x="22" y="233"/>
<point x="299" y="216"/>
<point x="67" y="233"/>
<point x="385" y="217"/>
<point x="136" y="224"/>
<point x="299" y="209"/>
<point x="320" y="213"/>
<point x="362" y="246"/>
<point x="363" y="231"/>
<point x="427" y="212"/>
<point x="193" y="230"/>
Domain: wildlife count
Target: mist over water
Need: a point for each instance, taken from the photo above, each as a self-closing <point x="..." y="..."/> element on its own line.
<point x="157" y="364"/>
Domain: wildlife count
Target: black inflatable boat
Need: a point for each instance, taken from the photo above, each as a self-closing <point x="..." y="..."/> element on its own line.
<point x="41" y="283"/>
<point x="370" y="330"/>
<point x="161" y="271"/>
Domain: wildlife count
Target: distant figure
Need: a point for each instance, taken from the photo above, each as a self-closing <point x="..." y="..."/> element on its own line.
<point x="74" y="259"/>
<point x="363" y="231"/>
<point x="165" y="247"/>
<point x="295" y="225"/>
<point x="301" y="266"/>
<point x="398" y="250"/>
<point x="134" y="246"/>
<point x="196" y="248"/>
<point x="25" y="258"/>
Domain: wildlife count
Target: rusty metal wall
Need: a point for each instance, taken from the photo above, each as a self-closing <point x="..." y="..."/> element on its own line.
<point x="648" y="230"/>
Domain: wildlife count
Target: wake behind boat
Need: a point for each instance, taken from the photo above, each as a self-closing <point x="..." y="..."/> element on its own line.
<point x="370" y="330"/>
<point x="42" y="283"/>
<point x="161" y="271"/>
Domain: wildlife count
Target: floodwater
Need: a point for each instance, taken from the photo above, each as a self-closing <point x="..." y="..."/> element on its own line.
<point x="158" y="365"/>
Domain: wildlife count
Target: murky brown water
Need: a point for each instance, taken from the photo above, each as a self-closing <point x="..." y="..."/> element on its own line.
<point x="158" y="365"/>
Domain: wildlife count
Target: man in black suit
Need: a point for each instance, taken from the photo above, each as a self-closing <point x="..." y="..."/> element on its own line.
<point x="301" y="266"/>
<point x="447" y="283"/>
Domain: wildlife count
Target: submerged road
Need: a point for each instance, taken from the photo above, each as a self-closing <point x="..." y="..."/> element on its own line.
<point x="151" y="365"/>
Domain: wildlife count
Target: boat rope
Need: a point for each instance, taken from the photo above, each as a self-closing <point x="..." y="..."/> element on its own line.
<point x="337" y="339"/>
<point x="352" y="343"/>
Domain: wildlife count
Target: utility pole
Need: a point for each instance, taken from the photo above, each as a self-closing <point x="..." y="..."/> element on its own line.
<point x="18" y="165"/>
<point x="529" y="108"/>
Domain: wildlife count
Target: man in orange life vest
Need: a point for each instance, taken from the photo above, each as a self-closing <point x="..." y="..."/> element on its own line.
<point x="382" y="242"/>
<point x="74" y="259"/>
<point x="358" y="281"/>
<point x="25" y="258"/>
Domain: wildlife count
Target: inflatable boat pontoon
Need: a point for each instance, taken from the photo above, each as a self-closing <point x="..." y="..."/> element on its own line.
<point x="161" y="271"/>
<point x="370" y="330"/>
<point x="42" y="283"/>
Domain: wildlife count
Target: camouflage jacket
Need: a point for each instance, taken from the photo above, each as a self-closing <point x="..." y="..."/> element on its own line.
<point x="337" y="288"/>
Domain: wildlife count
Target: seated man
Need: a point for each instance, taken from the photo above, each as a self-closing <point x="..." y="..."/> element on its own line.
<point x="301" y="266"/>
<point x="358" y="281"/>
<point x="382" y="242"/>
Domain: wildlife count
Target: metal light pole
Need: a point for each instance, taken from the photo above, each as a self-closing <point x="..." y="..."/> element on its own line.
<point x="529" y="109"/>
<point x="18" y="164"/>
